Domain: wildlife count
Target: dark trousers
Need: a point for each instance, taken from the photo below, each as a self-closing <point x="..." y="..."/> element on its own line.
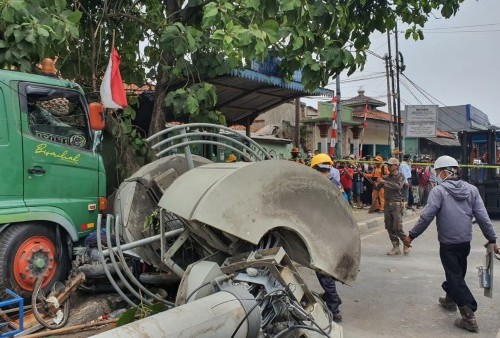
<point x="454" y="260"/>
<point x="331" y="297"/>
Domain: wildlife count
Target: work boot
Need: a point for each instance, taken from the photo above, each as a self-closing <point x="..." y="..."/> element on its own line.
<point x="406" y="250"/>
<point x="468" y="320"/>
<point x="337" y="317"/>
<point x="395" y="250"/>
<point x="448" y="303"/>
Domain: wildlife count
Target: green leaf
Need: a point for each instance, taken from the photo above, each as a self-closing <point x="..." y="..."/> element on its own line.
<point x="127" y="317"/>
<point x="60" y="5"/>
<point x="3" y="44"/>
<point x="18" y="5"/>
<point x="73" y="17"/>
<point x="255" y="4"/>
<point x="42" y="32"/>
<point x="192" y="105"/>
<point x="297" y="43"/>
<point x="447" y="10"/>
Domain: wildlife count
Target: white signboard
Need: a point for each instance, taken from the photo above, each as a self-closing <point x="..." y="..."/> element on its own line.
<point x="420" y="129"/>
<point x="421" y="113"/>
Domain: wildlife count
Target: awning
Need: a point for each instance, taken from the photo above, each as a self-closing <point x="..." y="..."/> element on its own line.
<point x="246" y="94"/>
<point x="444" y="142"/>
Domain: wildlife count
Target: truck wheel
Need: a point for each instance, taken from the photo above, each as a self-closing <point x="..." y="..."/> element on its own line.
<point x="28" y="251"/>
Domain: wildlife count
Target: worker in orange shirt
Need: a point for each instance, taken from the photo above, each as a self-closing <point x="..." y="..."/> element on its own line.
<point x="378" y="199"/>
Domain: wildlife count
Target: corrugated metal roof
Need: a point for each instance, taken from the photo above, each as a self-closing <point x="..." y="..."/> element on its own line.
<point x="247" y="93"/>
<point x="445" y="142"/>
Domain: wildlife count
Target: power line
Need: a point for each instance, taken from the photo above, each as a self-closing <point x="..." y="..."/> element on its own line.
<point x="455" y="32"/>
<point x="465" y="26"/>
<point x="422" y="91"/>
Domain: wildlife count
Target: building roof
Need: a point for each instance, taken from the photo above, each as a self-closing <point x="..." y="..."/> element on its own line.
<point x="375" y="115"/>
<point x="444" y="142"/>
<point x="246" y="93"/>
<point x="361" y="99"/>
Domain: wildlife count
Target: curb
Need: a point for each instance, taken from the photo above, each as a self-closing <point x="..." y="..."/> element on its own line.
<point x="375" y="222"/>
<point x="370" y="224"/>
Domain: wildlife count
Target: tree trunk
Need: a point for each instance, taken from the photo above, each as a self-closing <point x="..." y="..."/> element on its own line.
<point x="158" y="117"/>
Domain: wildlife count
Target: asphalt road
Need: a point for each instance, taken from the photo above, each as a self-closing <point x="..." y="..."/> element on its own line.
<point x="397" y="296"/>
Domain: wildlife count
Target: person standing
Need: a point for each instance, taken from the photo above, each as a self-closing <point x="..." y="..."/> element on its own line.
<point x="424" y="174"/>
<point x="357" y="185"/>
<point x="346" y="176"/>
<point x="378" y="199"/>
<point x="405" y="169"/>
<point x="296" y="156"/>
<point x="394" y="185"/>
<point x="324" y="164"/>
<point x="454" y="203"/>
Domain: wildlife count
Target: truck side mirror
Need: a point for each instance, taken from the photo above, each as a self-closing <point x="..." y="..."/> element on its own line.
<point x="96" y="112"/>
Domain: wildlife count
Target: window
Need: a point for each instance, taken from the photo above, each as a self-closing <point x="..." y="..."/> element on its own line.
<point x="57" y="116"/>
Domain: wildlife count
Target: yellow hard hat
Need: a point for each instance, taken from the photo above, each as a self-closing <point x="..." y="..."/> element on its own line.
<point x="231" y="158"/>
<point x="321" y="158"/>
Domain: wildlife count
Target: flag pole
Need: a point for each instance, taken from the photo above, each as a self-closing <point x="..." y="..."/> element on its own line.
<point x="363" y="132"/>
<point x="333" y="133"/>
<point x="113" y="40"/>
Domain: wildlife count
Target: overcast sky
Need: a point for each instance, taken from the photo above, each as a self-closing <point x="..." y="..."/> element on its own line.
<point x="457" y="62"/>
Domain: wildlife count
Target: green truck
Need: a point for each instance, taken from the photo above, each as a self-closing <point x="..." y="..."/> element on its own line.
<point x="52" y="178"/>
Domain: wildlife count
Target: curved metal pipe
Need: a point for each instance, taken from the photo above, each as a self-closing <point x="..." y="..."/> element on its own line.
<point x="224" y="137"/>
<point x="130" y="274"/>
<point x="103" y="262"/>
<point x="124" y="264"/>
<point x="161" y="153"/>
<point x="208" y="125"/>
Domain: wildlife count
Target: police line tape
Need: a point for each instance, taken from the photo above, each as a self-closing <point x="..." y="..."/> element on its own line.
<point x="427" y="164"/>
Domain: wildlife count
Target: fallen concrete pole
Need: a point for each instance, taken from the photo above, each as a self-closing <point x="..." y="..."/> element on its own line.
<point x="221" y="314"/>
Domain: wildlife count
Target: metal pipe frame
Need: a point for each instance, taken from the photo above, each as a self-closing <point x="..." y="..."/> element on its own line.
<point x="144" y="241"/>
<point x="124" y="265"/>
<point x="224" y="137"/>
<point x="103" y="262"/>
<point x="208" y="125"/>
<point x="129" y="273"/>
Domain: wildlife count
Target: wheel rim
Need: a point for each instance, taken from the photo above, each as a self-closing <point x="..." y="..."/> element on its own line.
<point x="34" y="258"/>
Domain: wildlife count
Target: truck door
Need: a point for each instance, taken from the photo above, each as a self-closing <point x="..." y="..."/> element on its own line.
<point x="60" y="169"/>
<point x="11" y="181"/>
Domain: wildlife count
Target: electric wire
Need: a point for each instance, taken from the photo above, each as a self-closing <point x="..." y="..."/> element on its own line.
<point x="451" y="117"/>
<point x="296" y="327"/>
<point x="197" y="289"/>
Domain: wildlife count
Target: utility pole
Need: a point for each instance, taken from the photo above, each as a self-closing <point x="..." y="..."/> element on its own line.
<point x="391" y="70"/>
<point x="339" y="118"/>
<point x="389" y="105"/>
<point x="296" y="136"/>
<point x="400" y="138"/>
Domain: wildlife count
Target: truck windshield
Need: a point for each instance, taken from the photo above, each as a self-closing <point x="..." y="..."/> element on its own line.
<point x="57" y="115"/>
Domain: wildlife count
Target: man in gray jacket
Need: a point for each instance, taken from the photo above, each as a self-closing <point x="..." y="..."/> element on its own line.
<point x="454" y="203"/>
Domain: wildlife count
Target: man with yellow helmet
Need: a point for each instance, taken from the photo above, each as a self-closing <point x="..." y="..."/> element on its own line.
<point x="323" y="164"/>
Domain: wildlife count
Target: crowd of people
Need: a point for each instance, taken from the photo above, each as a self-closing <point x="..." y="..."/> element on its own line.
<point x="360" y="179"/>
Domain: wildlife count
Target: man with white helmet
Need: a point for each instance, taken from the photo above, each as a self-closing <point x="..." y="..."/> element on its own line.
<point x="454" y="203"/>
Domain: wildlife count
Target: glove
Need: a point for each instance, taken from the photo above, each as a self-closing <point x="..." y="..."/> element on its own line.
<point x="407" y="241"/>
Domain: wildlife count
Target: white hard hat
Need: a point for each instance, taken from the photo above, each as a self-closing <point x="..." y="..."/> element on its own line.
<point x="445" y="162"/>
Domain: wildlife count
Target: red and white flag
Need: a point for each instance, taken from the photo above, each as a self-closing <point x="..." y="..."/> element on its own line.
<point x="112" y="89"/>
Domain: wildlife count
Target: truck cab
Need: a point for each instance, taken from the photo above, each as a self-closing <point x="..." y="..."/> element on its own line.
<point x="481" y="153"/>
<point x="52" y="178"/>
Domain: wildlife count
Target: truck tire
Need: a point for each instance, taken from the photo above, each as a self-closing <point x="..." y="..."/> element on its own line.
<point x="28" y="251"/>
